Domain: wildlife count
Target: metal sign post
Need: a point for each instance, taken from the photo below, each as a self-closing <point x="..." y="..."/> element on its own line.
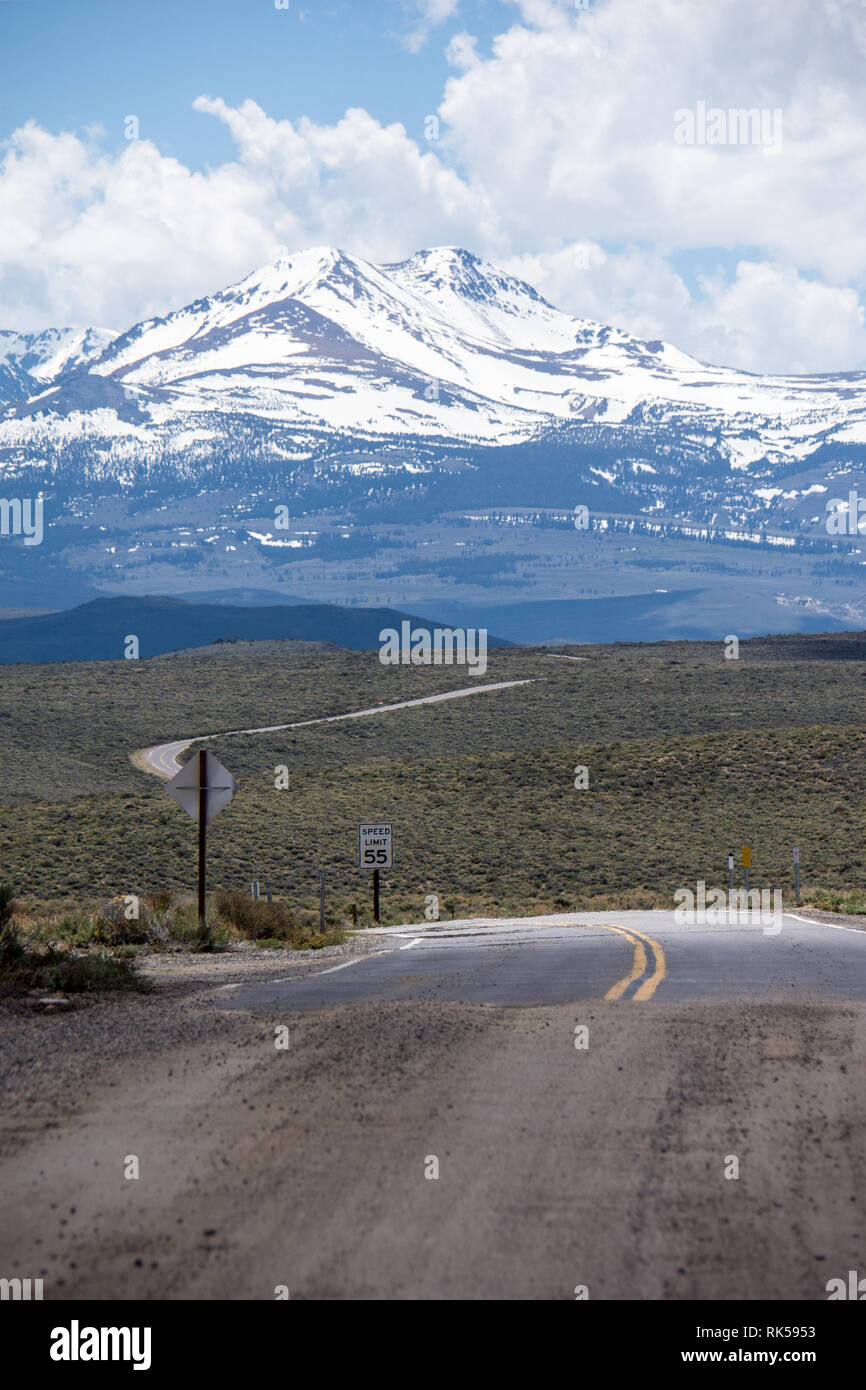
<point x="797" y="875"/>
<point x="731" y="873"/>
<point x="202" y="833"/>
<point x="375" y="851"/>
<point x="203" y="788"/>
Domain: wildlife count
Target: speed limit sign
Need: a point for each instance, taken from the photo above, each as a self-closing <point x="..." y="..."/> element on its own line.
<point x="375" y="842"/>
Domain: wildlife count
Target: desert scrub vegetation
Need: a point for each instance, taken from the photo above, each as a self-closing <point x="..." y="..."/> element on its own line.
<point x="72" y="726"/>
<point x="124" y="925"/>
<point x="689" y="757"/>
<point x="275" y="923"/>
<point x="506" y="831"/>
<point x="851" y="904"/>
<point x="27" y="965"/>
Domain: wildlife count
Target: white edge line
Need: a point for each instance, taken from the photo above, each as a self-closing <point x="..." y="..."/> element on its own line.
<point x="293" y="979"/>
<point x="344" y="965"/>
<point x="837" y="926"/>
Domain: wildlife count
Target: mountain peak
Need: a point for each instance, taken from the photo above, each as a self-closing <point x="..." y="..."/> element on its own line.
<point x="47" y="353"/>
<point x="445" y="255"/>
<point x="444" y="268"/>
<point x="314" y="262"/>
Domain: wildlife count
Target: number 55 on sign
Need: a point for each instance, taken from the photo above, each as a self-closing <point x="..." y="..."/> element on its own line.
<point x="375" y="846"/>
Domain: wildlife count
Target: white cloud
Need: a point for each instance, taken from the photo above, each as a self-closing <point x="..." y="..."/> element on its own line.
<point x="92" y="238"/>
<point x="430" y="14"/>
<point x="765" y="318"/>
<point x="562" y="134"/>
<point x="569" y="124"/>
<point x="770" y="319"/>
<point x="462" y="50"/>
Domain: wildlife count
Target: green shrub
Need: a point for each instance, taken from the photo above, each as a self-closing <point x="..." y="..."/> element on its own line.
<point x="79" y="928"/>
<point x="7" y="895"/>
<point x="115" y="926"/>
<point x="274" y="922"/>
<point x="10" y="945"/>
<point x="256" y="920"/>
<point x="87" y="974"/>
<point x="160" y="900"/>
<point x="67" y="973"/>
<point x="179" y="928"/>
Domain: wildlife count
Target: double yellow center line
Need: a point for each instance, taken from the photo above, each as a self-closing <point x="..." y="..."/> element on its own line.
<point x="648" y="986"/>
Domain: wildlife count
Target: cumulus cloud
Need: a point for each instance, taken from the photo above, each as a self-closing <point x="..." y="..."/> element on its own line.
<point x="763" y="318"/>
<point x="570" y="123"/>
<point x="87" y="237"/>
<point x="560" y="137"/>
<point x="770" y="319"/>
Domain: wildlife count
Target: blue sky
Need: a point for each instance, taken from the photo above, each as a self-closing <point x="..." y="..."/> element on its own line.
<point x="86" y="64"/>
<point x="95" y="61"/>
<point x="558" y="156"/>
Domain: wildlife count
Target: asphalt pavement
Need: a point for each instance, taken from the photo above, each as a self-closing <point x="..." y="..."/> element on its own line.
<point x="625" y="957"/>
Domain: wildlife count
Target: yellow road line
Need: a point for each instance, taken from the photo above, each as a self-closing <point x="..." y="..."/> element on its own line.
<point x="639" y="966"/>
<point x="649" y="987"/>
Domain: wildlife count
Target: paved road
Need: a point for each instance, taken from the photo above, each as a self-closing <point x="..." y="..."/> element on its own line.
<point x="162" y="758"/>
<point x="630" y="956"/>
<point x="674" y="1113"/>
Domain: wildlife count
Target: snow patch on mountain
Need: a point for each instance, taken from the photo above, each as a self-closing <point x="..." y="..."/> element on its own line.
<point x="44" y="356"/>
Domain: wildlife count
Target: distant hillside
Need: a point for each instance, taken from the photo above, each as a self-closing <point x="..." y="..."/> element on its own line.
<point x="679" y="615"/>
<point x="689" y="757"/>
<point x="97" y="631"/>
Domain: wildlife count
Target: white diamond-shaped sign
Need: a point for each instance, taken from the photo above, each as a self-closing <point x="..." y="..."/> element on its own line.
<point x="220" y="785"/>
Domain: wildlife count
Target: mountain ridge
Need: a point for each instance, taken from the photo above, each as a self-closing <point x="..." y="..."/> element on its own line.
<point x="99" y="629"/>
<point x="323" y="369"/>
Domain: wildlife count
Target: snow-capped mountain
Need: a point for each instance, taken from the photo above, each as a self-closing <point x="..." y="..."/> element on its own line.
<point x="32" y="359"/>
<point x="324" y="364"/>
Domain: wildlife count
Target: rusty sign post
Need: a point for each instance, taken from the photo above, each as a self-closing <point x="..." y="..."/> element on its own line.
<point x="203" y="787"/>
